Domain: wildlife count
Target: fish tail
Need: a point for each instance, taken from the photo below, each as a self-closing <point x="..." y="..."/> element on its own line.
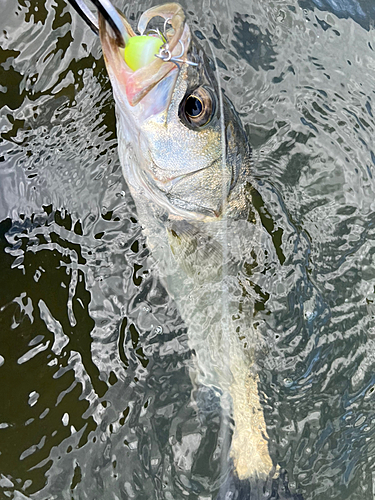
<point x="249" y="450"/>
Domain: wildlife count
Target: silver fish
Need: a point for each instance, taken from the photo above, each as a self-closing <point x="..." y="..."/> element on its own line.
<point x="187" y="162"/>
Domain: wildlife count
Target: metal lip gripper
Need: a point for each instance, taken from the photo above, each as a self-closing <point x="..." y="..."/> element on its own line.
<point x="110" y="14"/>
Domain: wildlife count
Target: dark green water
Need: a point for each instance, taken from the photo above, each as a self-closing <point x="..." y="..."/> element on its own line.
<point x="95" y="395"/>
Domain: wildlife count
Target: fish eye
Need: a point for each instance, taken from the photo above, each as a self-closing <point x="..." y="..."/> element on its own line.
<point x="197" y="108"/>
<point x="193" y="106"/>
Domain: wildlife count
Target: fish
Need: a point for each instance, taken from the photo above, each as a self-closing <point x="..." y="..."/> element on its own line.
<point x="187" y="162"/>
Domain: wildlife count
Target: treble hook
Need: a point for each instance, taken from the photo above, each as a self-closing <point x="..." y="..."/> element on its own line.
<point x="109" y="13"/>
<point x="166" y="55"/>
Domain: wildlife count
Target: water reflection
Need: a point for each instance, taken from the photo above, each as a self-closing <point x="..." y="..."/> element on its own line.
<point x="94" y="361"/>
<point x="362" y="11"/>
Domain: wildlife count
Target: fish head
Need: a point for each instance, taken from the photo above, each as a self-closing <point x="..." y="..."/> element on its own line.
<point x="181" y="142"/>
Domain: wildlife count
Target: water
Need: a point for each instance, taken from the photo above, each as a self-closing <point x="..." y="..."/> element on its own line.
<point x="94" y="358"/>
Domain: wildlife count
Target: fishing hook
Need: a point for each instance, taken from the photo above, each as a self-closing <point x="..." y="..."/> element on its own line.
<point x="165" y="27"/>
<point x="166" y="56"/>
<point x="157" y="33"/>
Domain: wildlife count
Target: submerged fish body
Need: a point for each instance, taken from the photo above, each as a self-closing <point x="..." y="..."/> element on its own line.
<point x="186" y="160"/>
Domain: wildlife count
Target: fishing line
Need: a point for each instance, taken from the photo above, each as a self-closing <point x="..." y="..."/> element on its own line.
<point x="250" y="427"/>
<point x="225" y="339"/>
<point x="223" y="160"/>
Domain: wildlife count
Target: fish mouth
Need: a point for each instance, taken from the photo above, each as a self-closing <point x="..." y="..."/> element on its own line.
<point x="137" y="84"/>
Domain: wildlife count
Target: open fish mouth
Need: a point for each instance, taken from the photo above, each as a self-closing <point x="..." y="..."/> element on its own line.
<point x="136" y="84"/>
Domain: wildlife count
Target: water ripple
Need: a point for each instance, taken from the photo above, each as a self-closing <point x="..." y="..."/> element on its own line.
<point x="94" y="357"/>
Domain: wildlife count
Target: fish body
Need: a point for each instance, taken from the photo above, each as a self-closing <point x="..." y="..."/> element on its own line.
<point x="187" y="162"/>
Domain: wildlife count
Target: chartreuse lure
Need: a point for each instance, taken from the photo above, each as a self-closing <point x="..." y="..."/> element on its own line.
<point x="140" y="50"/>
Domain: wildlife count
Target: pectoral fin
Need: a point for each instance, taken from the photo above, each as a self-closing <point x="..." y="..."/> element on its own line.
<point x="199" y="255"/>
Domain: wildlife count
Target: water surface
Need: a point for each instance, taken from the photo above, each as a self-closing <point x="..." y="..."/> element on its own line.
<point x="94" y="358"/>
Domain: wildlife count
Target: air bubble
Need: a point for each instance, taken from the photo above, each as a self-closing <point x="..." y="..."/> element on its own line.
<point x="287" y="382"/>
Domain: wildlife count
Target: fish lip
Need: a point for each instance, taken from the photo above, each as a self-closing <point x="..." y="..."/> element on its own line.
<point x="137" y="84"/>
